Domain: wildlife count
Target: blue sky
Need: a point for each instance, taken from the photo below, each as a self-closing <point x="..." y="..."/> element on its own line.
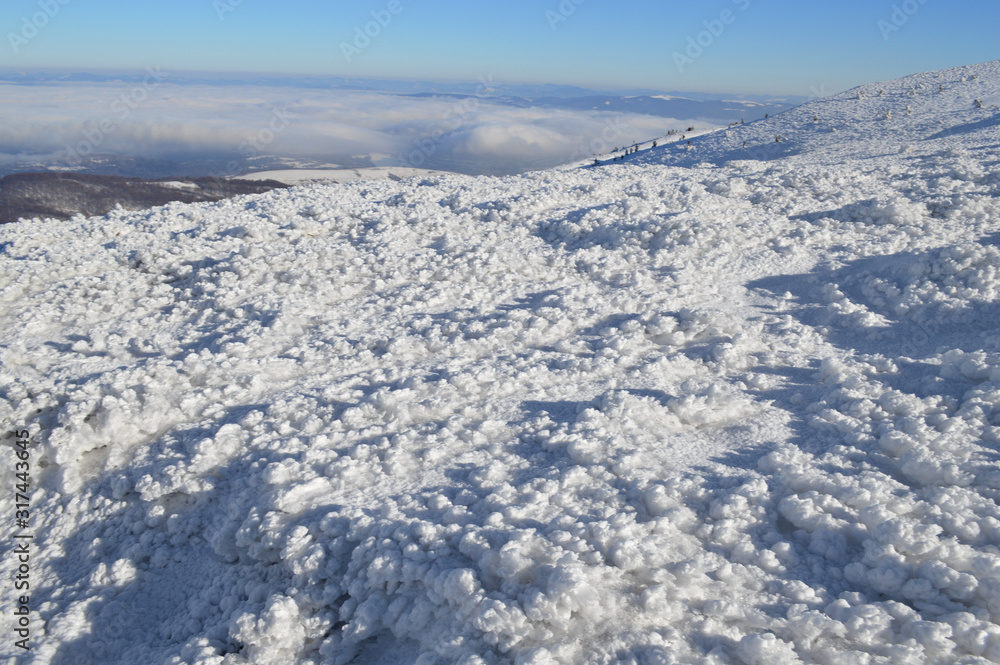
<point x="759" y="46"/>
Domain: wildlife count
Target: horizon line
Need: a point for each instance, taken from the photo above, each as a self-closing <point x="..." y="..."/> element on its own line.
<point x="289" y="76"/>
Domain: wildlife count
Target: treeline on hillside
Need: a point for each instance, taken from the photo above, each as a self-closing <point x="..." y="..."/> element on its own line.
<point x="62" y="195"/>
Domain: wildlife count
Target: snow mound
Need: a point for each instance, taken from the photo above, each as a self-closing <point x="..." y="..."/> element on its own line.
<point x="736" y="411"/>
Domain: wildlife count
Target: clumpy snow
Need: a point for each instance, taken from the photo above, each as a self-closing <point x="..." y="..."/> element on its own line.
<point x="326" y="176"/>
<point x="702" y="407"/>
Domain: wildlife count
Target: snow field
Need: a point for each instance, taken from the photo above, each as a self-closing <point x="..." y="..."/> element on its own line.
<point x="736" y="411"/>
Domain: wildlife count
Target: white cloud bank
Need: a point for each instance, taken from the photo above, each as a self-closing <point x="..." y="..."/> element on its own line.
<point x="157" y="119"/>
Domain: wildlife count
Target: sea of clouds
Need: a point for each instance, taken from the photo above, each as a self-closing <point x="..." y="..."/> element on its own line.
<point x="62" y="124"/>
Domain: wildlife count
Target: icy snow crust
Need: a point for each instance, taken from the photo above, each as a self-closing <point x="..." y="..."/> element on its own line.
<point x="738" y="411"/>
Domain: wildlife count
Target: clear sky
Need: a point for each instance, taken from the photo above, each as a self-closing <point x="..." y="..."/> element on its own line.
<point x="794" y="47"/>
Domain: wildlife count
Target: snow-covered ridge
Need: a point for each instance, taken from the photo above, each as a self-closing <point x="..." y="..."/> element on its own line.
<point x="746" y="411"/>
<point x="868" y="121"/>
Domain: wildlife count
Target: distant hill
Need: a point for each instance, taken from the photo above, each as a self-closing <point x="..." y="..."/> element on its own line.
<point x="62" y="195"/>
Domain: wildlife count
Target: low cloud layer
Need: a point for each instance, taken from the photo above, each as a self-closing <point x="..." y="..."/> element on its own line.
<point x="61" y="124"/>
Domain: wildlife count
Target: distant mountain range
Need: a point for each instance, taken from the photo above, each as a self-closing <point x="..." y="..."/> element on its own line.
<point x="497" y="88"/>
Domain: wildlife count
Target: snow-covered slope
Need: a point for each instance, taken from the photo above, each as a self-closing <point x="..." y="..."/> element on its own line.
<point x="722" y="411"/>
<point x="913" y="114"/>
<point x="329" y="176"/>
